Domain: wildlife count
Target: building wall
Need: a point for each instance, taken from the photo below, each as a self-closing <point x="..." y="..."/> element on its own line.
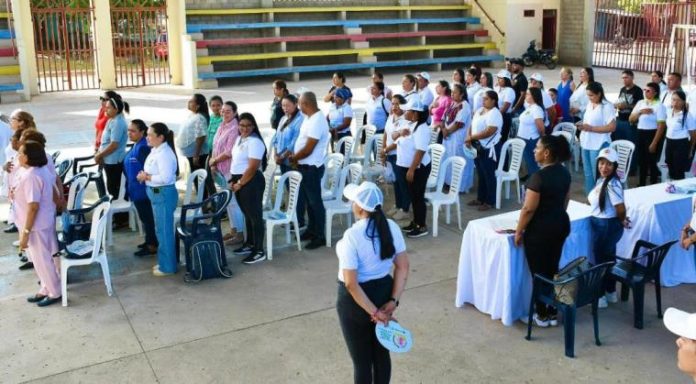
<point x="576" y="23"/>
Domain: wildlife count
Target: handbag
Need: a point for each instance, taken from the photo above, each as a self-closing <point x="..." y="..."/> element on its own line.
<point x="206" y="262"/>
<point x="565" y="293"/>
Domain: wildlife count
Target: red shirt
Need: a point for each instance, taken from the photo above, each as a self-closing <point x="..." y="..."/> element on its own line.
<point x="99" y="125"/>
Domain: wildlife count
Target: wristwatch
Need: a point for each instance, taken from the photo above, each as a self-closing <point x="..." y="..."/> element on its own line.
<point x="394" y="300"/>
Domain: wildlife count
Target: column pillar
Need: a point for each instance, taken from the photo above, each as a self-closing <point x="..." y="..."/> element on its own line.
<point x="176" y="30"/>
<point x="104" y="44"/>
<point x="24" y="40"/>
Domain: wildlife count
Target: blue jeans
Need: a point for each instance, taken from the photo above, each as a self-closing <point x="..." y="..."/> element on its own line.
<point x="403" y="201"/>
<point x="485" y="168"/>
<point x="605" y="234"/>
<point x="164" y="201"/>
<point x="589" y="167"/>
<point x="300" y="207"/>
<point x="310" y="192"/>
<point x="528" y="156"/>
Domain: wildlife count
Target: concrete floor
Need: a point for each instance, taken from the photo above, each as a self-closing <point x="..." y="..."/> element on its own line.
<point x="275" y="322"/>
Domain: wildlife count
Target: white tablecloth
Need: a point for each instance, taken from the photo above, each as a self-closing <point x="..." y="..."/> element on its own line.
<point x="658" y="216"/>
<point x="493" y="273"/>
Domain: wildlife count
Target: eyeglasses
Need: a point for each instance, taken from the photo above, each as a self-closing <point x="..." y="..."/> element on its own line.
<point x="102" y="98"/>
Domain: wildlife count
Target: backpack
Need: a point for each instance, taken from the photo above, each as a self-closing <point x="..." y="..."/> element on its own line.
<point x="206" y="262"/>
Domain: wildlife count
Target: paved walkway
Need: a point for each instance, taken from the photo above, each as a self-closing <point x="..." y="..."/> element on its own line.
<point x="275" y="322"/>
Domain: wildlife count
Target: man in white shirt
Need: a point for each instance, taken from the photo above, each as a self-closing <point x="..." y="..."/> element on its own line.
<point x="308" y="156"/>
<point x="674" y="81"/>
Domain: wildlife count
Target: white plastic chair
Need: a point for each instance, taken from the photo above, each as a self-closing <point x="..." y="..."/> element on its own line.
<point x="437" y="198"/>
<point x="358" y="118"/>
<point x="338" y="206"/>
<point x="370" y="131"/>
<point x="662" y="166"/>
<point x="76" y="193"/>
<point x="624" y="149"/>
<point x="333" y="163"/>
<point x="356" y="149"/>
<point x="574" y="145"/>
<point x="199" y="174"/>
<point x="269" y="179"/>
<point x="515" y="147"/>
<point x="437" y="151"/>
<point x="347" y="143"/>
<point x="278" y="216"/>
<point x="372" y="168"/>
<point x="119" y="204"/>
<point x="434" y="133"/>
<point x="100" y="219"/>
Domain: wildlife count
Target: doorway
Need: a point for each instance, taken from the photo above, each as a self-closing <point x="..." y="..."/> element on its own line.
<point x="549" y="28"/>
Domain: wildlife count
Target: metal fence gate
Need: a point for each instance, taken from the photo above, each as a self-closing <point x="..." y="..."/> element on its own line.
<point x="141" y="51"/>
<point x="635" y="34"/>
<point x="65" y="48"/>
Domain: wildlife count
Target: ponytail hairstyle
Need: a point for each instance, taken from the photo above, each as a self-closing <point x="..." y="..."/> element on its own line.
<point x="538" y="99"/>
<point x="119" y="105"/>
<point x="507" y="82"/>
<point x="202" y="106"/>
<point x="661" y="75"/>
<point x="590" y="75"/>
<point x="161" y="129"/>
<point x="255" y="132"/>
<point x="115" y="95"/>
<point x="558" y="147"/>
<point x="26" y="118"/>
<point x="460" y="72"/>
<point x="493" y="95"/>
<point x="445" y="85"/>
<point x="605" y="184"/>
<point x="142" y="127"/>
<point x="685" y="109"/>
<point x="378" y="227"/>
<point x="597" y="88"/>
<point x="233" y="105"/>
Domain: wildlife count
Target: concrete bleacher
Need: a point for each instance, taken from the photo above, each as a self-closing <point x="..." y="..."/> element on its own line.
<point x="10" y="81"/>
<point x="286" y="42"/>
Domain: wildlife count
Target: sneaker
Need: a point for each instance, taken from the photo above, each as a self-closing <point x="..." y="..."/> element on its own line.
<point x="417" y="232"/>
<point x="602" y="303"/>
<point x="553" y="320"/>
<point x="542" y="322"/>
<point x="255" y="257"/>
<point x="409" y="227"/>
<point x="158" y="273"/>
<point x="400" y="215"/>
<point x="611" y="297"/>
<point x="243" y="250"/>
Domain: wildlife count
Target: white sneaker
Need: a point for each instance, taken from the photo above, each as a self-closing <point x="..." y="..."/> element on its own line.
<point x="602" y="302"/>
<point x="612" y="297"/>
<point x="401" y="215"/>
<point x="539" y="322"/>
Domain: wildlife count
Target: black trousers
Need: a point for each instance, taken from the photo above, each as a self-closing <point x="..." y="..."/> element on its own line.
<point x="677" y="157"/>
<point x="371" y="361"/>
<point x="114" y="173"/>
<point x="249" y="198"/>
<point x="310" y="192"/>
<point x="202" y="164"/>
<point x="647" y="162"/>
<point x="543" y="252"/>
<point x="416" y="191"/>
<point x="144" y="208"/>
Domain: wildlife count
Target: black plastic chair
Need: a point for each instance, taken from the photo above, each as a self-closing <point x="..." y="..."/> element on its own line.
<point x="54" y="156"/>
<point x="202" y="222"/>
<point x="63" y="168"/>
<point x="590" y="287"/>
<point x="633" y="273"/>
<point x="86" y="164"/>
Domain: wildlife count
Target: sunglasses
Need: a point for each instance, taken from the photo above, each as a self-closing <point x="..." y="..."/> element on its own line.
<point x="102" y="98"/>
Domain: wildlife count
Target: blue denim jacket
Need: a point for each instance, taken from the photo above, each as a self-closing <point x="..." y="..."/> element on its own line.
<point x="285" y="138"/>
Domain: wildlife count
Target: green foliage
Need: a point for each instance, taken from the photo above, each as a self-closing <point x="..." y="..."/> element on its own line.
<point x="633" y="6"/>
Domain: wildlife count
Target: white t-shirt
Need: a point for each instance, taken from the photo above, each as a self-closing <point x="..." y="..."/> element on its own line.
<point x="666" y="100"/>
<point x="356" y="251"/>
<point x="506" y="95"/>
<point x="412" y="94"/>
<point x="481" y="122"/>
<point x="161" y="164"/>
<point x="677" y="128"/>
<point x="471" y="91"/>
<point x="314" y="127"/>
<point x="391" y="127"/>
<point x="406" y="146"/>
<point x="244" y="149"/>
<point x="597" y="116"/>
<point x="377" y="111"/>
<point x="337" y="114"/>
<point x="528" y="128"/>
<point x="649" y="122"/>
<point x="478" y="98"/>
<point x="426" y="96"/>
<point x="579" y="99"/>
<point x="5" y="135"/>
<point x="613" y="198"/>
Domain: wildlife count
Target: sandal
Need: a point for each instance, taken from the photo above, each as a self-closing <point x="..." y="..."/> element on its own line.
<point x="474" y="203"/>
<point x="484" y="207"/>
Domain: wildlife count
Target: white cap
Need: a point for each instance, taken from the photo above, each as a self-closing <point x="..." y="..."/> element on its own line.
<point x="680" y="323"/>
<point x="366" y="195"/>
<point x="504" y="73"/>
<point x="424" y="75"/>
<point x="413" y="105"/>
<point x="608" y="154"/>
<point x="537" y="76"/>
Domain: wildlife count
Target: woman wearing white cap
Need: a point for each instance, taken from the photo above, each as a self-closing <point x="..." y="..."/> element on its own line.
<point x="424" y="92"/>
<point x="683" y="324"/>
<point x="367" y="293"/>
<point x="455" y="125"/>
<point x="536" y="80"/>
<point x="506" y="99"/>
<point x="484" y="135"/>
<point x="413" y="160"/>
<point x="595" y="129"/>
<point x="608" y="218"/>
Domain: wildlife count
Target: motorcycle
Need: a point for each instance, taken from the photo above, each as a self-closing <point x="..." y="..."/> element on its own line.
<point x="543" y="56"/>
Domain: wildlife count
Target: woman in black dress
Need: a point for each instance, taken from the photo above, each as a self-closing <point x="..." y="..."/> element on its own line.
<point x="544" y="224"/>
